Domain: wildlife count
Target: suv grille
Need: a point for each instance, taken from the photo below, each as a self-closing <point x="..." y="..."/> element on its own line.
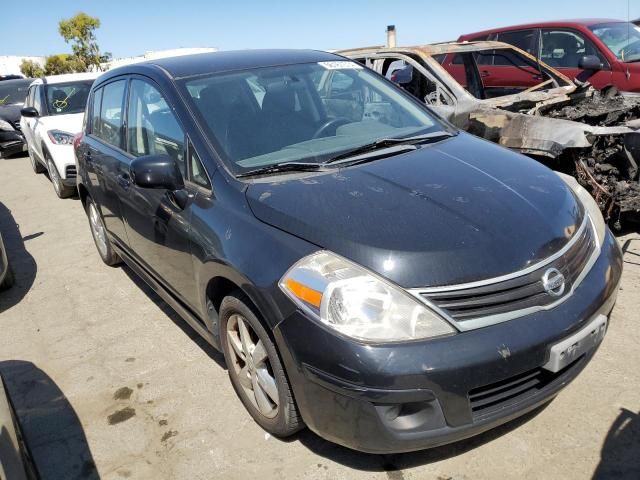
<point x="496" y="396"/>
<point x="522" y="292"/>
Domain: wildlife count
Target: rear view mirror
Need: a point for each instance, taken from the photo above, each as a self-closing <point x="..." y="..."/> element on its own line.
<point x="590" y="62"/>
<point x="156" y="171"/>
<point x="30" y="112"/>
<point x="403" y="76"/>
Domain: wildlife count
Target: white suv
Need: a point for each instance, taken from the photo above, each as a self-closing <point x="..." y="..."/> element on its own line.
<point x="52" y="115"/>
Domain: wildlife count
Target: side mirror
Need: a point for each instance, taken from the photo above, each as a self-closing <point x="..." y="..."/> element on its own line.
<point x="29" y="112"/>
<point x="157" y="171"/>
<point x="590" y="62"/>
<point x="403" y="76"/>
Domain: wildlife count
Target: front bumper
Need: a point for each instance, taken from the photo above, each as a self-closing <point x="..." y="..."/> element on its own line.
<point x="408" y="396"/>
<point x="11" y="143"/>
<point x="65" y="161"/>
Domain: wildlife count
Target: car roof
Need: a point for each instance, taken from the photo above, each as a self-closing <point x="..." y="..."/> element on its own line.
<point x="215" y="62"/>
<point x="16" y="81"/>
<point x="432" y="49"/>
<point x="67" y="77"/>
<point x="553" y="23"/>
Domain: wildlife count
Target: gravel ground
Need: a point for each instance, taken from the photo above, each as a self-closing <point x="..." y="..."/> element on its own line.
<point x="110" y="383"/>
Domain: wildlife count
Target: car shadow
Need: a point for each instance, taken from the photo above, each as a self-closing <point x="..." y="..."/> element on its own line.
<point x="21" y="261"/>
<point x="175" y="318"/>
<point x="620" y="454"/>
<point x="50" y="427"/>
<point x="399" y="461"/>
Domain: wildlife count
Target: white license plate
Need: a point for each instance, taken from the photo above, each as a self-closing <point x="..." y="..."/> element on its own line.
<point x="569" y="349"/>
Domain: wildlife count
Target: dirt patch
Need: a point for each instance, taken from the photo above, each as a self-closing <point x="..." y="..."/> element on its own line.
<point x="121" y="415"/>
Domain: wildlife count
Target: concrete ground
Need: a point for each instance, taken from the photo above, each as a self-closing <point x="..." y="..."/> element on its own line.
<point x="110" y="383"/>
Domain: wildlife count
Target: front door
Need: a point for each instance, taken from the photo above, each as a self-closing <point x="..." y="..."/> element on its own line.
<point x="158" y="229"/>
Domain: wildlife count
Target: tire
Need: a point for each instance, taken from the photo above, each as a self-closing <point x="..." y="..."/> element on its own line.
<point x="99" y="234"/>
<point x="35" y="164"/>
<point x="9" y="279"/>
<point x="61" y="190"/>
<point x="247" y="377"/>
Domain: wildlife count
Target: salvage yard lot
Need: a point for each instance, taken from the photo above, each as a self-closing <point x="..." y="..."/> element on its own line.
<point x="153" y="401"/>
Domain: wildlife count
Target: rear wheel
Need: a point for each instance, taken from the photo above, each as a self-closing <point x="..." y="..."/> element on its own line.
<point x="35" y="164"/>
<point x="99" y="233"/>
<point x="255" y="369"/>
<point x="61" y="190"/>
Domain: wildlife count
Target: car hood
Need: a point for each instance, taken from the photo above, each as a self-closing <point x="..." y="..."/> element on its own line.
<point x="10" y="113"/>
<point x="453" y="212"/>
<point x="71" y="123"/>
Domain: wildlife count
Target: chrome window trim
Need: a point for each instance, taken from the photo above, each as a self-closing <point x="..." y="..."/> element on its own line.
<point x="503" y="317"/>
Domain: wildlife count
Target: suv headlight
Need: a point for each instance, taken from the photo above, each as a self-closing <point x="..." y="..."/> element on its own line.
<point x="358" y="303"/>
<point x="4" y="125"/>
<point x="590" y="206"/>
<point x="60" y="138"/>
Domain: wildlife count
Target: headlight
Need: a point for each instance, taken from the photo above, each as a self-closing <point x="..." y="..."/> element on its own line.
<point x="357" y="303"/>
<point x="60" y="138"/>
<point x="590" y="205"/>
<point x="4" y="125"/>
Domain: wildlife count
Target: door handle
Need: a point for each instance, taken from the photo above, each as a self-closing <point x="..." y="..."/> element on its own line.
<point x="537" y="77"/>
<point x="484" y="73"/>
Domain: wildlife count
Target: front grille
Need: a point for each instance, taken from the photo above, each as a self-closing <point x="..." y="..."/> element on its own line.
<point x="519" y="293"/>
<point x="71" y="171"/>
<point x="496" y="396"/>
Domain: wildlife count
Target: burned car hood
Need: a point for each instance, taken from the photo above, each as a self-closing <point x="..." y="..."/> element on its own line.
<point x="457" y="211"/>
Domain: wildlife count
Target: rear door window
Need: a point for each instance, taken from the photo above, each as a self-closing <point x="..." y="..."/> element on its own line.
<point x="109" y="124"/>
<point x="153" y="128"/>
<point x="526" y="40"/>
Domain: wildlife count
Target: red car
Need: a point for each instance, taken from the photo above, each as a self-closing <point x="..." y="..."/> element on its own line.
<point x="602" y="51"/>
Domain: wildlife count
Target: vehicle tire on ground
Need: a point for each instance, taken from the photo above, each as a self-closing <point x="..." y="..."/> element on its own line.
<point x="255" y="369"/>
<point x="9" y="279"/>
<point x="99" y="234"/>
<point x="61" y="190"/>
<point x="35" y="164"/>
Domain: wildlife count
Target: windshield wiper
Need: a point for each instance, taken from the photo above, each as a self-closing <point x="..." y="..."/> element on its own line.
<point x="283" y="167"/>
<point x="390" y="142"/>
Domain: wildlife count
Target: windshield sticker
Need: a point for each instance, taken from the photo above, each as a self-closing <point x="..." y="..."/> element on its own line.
<point x="341" y="65"/>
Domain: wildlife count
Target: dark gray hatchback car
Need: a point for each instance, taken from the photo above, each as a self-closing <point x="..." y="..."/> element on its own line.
<point x="367" y="269"/>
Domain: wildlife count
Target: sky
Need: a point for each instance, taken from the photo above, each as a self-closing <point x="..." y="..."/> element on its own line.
<point x="136" y="26"/>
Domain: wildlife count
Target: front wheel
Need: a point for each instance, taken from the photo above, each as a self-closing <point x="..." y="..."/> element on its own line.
<point x="99" y="234"/>
<point x="255" y="369"/>
<point x="61" y="190"/>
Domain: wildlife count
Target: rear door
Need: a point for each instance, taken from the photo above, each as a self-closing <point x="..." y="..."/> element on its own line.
<point x="158" y="229"/>
<point x="504" y="73"/>
<point x="106" y="160"/>
<point x="562" y="49"/>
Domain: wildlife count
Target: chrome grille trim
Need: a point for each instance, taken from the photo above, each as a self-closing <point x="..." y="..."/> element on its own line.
<point x="574" y="281"/>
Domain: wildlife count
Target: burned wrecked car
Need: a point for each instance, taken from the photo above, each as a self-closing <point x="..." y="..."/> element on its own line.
<point x="571" y="127"/>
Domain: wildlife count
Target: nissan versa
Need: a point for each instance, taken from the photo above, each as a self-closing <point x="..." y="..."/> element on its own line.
<point x="367" y="269"/>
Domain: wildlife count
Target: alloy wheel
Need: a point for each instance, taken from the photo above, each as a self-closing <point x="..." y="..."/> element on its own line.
<point x="97" y="228"/>
<point x="251" y="366"/>
<point x="55" y="178"/>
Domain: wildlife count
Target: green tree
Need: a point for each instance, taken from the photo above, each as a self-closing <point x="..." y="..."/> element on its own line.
<point x="79" y="30"/>
<point x="31" y="69"/>
<point x="63" y="63"/>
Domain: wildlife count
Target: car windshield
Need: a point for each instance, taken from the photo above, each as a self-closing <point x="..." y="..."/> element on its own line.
<point x="307" y="112"/>
<point x="622" y="38"/>
<point x="66" y="98"/>
<point x="13" y="91"/>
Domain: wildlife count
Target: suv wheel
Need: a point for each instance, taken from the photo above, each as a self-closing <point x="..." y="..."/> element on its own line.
<point x="99" y="233"/>
<point x="35" y="164"/>
<point x="61" y="190"/>
<point x="255" y="369"/>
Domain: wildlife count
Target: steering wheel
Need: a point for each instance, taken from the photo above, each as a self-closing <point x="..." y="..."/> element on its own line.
<point x="331" y="123"/>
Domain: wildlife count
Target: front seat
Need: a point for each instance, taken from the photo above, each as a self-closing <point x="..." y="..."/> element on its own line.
<point x="286" y="125"/>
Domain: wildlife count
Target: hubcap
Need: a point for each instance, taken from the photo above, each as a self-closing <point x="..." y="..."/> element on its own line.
<point x="251" y="366"/>
<point x="55" y="178"/>
<point x="97" y="228"/>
